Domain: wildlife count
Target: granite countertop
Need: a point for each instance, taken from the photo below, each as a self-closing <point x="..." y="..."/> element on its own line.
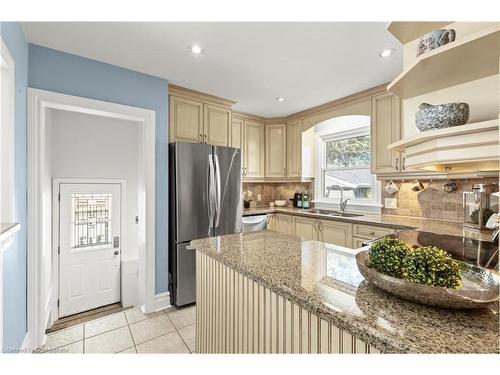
<point x="391" y="221"/>
<point x="324" y="279"/>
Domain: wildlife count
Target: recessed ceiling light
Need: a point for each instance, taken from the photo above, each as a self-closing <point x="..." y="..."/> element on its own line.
<point x="280" y="99"/>
<point x="387" y="52"/>
<point x="196" y="49"/>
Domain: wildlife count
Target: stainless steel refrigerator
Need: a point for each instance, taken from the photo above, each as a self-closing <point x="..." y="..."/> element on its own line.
<point x="205" y="201"/>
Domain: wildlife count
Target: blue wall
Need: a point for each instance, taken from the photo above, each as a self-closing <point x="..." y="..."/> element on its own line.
<point x="70" y="74"/>
<point x="14" y="267"/>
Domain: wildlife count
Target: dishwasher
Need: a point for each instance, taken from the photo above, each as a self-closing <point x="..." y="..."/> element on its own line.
<point x="254" y="223"/>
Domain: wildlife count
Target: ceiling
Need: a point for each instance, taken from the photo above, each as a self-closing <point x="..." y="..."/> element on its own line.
<point x="251" y="63"/>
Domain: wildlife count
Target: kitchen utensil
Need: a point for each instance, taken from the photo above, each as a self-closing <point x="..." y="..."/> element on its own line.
<point x="391" y="188"/>
<point x="435" y="39"/>
<point x="480" y="287"/>
<point x="449" y="186"/>
<point x="416" y="185"/>
<point x="429" y="117"/>
<point x="280" y="203"/>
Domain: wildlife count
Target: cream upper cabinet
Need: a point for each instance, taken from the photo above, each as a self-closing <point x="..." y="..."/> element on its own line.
<point x="236" y="132"/>
<point x="335" y="232"/>
<point x="284" y="224"/>
<point x="186" y="120"/>
<point x="385" y="129"/>
<point x="294" y="149"/>
<point x="253" y="150"/>
<point x="276" y="150"/>
<point x="217" y="125"/>
<point x="305" y="228"/>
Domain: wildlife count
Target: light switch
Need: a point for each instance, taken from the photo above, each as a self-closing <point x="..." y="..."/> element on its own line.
<point x="391" y="203"/>
<point x="259" y="197"/>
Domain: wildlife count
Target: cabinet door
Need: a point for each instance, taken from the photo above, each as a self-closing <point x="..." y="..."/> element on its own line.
<point x="385" y="129"/>
<point x="217" y="125"/>
<point x="236" y="132"/>
<point x="186" y="120"/>
<point x="276" y="150"/>
<point x="294" y="149"/>
<point x="335" y="232"/>
<point x="271" y="222"/>
<point x="357" y="242"/>
<point x="305" y="228"/>
<point x="253" y="150"/>
<point x="284" y="224"/>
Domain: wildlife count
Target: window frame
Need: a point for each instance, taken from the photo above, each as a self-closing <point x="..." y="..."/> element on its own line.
<point x="322" y="137"/>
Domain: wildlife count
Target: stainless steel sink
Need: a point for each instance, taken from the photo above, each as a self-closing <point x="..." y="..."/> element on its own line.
<point x="334" y="213"/>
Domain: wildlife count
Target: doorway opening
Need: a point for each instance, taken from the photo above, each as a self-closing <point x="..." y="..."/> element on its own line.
<point x="91" y="202"/>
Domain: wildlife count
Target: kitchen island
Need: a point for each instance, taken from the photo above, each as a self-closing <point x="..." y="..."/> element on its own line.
<point x="265" y="292"/>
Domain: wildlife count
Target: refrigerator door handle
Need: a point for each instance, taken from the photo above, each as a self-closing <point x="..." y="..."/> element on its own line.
<point x="211" y="187"/>
<point x="217" y="191"/>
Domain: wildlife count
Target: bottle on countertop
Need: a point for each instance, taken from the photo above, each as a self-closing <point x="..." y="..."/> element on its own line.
<point x="299" y="201"/>
<point x="305" y="200"/>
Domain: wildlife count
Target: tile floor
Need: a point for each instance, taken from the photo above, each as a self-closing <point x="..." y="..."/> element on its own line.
<point x="167" y="331"/>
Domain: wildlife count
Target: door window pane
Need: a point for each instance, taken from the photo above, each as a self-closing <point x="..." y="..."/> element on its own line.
<point x="90" y="220"/>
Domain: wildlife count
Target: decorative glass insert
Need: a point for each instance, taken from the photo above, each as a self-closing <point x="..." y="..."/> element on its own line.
<point x="90" y="220"/>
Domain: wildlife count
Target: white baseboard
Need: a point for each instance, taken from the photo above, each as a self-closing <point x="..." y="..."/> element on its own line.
<point x="162" y="301"/>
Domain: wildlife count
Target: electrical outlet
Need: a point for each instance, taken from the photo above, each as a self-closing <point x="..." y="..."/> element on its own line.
<point x="259" y="197"/>
<point x="391" y="203"/>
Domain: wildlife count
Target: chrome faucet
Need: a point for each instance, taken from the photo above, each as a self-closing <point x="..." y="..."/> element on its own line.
<point x="342" y="203"/>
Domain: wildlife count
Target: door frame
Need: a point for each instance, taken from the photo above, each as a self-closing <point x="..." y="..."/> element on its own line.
<point x="56" y="229"/>
<point x="39" y="102"/>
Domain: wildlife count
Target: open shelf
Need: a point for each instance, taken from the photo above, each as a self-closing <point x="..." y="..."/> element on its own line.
<point x="466" y="148"/>
<point x="472" y="57"/>
<point x="407" y="31"/>
<point x="467" y="129"/>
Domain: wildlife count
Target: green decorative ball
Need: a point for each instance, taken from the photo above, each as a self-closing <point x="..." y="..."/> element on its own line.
<point x="386" y="256"/>
<point x="432" y="266"/>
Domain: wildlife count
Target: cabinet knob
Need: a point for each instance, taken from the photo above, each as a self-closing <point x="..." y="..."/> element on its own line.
<point x="372" y="233"/>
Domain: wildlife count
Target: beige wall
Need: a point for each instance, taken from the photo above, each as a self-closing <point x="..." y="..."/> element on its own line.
<point x="277" y="191"/>
<point x="433" y="202"/>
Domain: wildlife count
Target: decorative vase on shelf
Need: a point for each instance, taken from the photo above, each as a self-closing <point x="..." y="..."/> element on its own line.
<point x="435" y="39"/>
<point x="441" y="116"/>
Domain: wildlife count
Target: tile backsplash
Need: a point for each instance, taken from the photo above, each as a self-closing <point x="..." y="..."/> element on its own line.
<point x="432" y="202"/>
<point x="276" y="191"/>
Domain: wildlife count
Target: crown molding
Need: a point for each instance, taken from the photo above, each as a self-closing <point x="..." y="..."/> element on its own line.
<point x="199" y="96"/>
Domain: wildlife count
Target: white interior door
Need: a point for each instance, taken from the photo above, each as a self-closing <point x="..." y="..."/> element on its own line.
<point x="90" y="246"/>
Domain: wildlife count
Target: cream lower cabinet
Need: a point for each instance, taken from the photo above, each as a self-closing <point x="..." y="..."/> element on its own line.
<point x="217" y="125"/>
<point x="284" y="224"/>
<point x="305" y="228"/>
<point x="357" y="242"/>
<point x="294" y="149"/>
<point x="385" y="129"/>
<point x="335" y="232"/>
<point x="253" y="150"/>
<point x="276" y="151"/>
<point x="271" y="222"/>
